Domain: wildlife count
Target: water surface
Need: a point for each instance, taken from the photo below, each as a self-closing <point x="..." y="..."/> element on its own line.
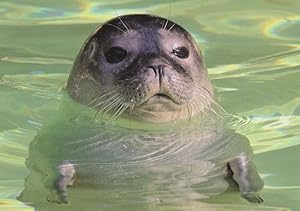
<point x="251" y="48"/>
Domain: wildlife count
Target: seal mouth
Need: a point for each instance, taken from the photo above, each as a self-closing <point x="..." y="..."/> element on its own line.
<point x="163" y="96"/>
<point x="160" y="98"/>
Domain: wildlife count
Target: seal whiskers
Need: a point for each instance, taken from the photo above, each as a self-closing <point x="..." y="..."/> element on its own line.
<point x="171" y="27"/>
<point x="121" y="108"/>
<point x="165" y="23"/>
<point x="99" y="98"/>
<point x="123" y="23"/>
<point x="104" y="106"/>
<point x="211" y="100"/>
<point x="109" y="24"/>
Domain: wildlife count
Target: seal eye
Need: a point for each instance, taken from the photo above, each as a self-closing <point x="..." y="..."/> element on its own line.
<point x="115" y="54"/>
<point x="181" y="52"/>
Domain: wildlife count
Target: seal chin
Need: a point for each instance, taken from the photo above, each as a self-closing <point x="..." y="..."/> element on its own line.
<point x="158" y="103"/>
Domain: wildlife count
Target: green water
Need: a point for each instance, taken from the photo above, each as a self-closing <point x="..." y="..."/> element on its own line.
<point x="251" y="48"/>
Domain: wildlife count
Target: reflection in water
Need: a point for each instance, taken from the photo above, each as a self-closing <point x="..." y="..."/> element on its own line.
<point x="183" y="166"/>
<point x="284" y="28"/>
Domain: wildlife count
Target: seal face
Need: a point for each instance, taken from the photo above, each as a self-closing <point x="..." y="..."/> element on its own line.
<point x="144" y="66"/>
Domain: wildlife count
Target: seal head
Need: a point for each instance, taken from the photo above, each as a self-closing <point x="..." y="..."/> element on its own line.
<point x="142" y="66"/>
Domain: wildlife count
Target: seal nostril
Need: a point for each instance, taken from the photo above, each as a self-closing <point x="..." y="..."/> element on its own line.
<point x="154" y="68"/>
<point x="157" y="69"/>
<point x="161" y="70"/>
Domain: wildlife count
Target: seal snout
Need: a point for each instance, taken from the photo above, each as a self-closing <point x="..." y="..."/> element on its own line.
<point x="160" y="83"/>
<point x="161" y="86"/>
<point x="159" y="74"/>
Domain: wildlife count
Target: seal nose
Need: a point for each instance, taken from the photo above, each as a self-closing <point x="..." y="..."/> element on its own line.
<point x="158" y="70"/>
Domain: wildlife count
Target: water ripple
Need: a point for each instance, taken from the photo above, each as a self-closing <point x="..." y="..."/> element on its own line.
<point x="286" y="28"/>
<point x="270" y="66"/>
<point x="237" y="121"/>
<point x="82" y="11"/>
<point x="271" y="131"/>
<point x="13" y="145"/>
<point x="36" y="60"/>
<point x="41" y="85"/>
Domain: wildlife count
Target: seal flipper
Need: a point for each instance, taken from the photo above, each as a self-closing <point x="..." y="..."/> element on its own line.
<point x="246" y="175"/>
<point x="64" y="177"/>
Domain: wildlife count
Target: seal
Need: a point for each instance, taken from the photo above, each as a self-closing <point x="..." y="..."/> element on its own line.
<point x="160" y="128"/>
